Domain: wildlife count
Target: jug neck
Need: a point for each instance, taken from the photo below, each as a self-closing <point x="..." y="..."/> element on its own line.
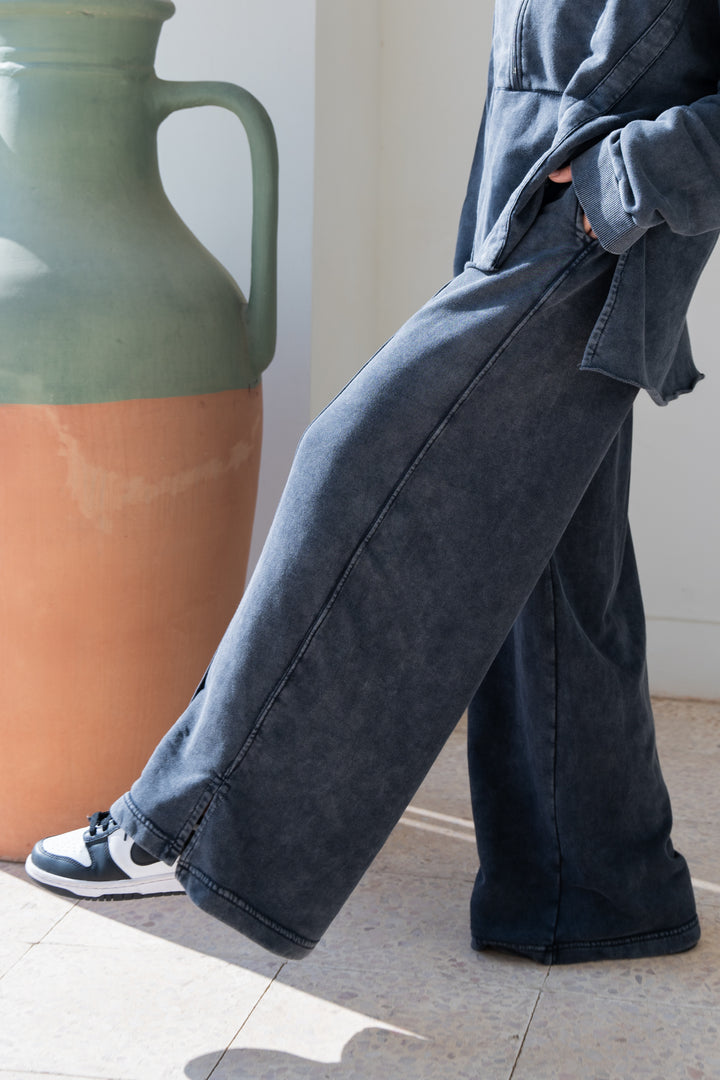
<point x="114" y="34"/>
<point x="74" y="88"/>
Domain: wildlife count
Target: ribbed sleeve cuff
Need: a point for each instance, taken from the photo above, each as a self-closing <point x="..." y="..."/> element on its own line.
<point x="598" y="192"/>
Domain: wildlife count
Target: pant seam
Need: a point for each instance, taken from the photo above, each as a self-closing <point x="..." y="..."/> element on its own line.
<point x="145" y="821"/>
<point x="556" y="683"/>
<point x="363" y="544"/>
<point x="563" y="946"/>
<point x="238" y="902"/>
<point x="174" y="845"/>
<point x="650" y="936"/>
<point x="593" y="344"/>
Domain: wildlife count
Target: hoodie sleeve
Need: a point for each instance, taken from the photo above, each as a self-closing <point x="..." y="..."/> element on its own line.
<point x="654" y="171"/>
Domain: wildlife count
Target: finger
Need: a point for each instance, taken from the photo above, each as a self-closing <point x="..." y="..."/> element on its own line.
<point x="588" y="227"/>
<point x="561" y="176"/>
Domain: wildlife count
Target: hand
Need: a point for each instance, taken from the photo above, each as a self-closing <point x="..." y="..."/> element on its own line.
<point x="564" y="176"/>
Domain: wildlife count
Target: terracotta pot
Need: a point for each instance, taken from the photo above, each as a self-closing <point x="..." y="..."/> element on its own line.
<point x="130" y="408"/>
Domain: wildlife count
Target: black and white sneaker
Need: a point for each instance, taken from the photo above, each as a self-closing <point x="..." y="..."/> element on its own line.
<point x="100" y="863"/>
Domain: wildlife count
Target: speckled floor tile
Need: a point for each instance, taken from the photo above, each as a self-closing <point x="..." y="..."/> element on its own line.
<point x="27" y="912"/>
<point x="419" y="924"/>
<point x="583" y="1037"/>
<point x="691" y="978"/>
<point x="157" y="922"/>
<point x="684" y="725"/>
<point x="689" y="746"/>
<point x="421" y="852"/>
<point x="349" y="1026"/>
<point x="699" y="844"/>
<point x="134" y="1014"/>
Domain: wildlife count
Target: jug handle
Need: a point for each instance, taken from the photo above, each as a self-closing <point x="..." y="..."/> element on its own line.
<point x="262" y="301"/>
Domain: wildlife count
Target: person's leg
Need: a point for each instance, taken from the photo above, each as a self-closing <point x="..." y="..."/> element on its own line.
<point x="421" y="510"/>
<point x="422" y="507"/>
<point x="572" y="814"/>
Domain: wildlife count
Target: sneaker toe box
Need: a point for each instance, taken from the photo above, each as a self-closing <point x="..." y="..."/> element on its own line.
<point x="55" y="862"/>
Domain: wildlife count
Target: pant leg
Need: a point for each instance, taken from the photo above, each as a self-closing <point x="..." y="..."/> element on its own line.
<point x="572" y="814"/>
<point x="423" y="505"/>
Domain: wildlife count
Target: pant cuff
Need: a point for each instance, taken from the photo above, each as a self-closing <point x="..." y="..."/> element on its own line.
<point x="207" y="894"/>
<point x="661" y="943"/>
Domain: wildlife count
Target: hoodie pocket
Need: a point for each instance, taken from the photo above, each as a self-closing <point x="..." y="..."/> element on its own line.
<point x="560" y="202"/>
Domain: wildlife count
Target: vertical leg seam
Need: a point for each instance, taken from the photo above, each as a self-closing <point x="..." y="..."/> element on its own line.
<point x="553" y="588"/>
<point x="384" y="510"/>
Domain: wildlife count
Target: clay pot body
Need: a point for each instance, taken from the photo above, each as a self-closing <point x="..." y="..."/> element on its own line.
<point x="130" y="408"/>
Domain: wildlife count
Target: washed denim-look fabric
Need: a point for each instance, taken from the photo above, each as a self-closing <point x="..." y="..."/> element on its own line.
<point x="571" y="812"/>
<point x="469" y="470"/>
<point x="627" y="93"/>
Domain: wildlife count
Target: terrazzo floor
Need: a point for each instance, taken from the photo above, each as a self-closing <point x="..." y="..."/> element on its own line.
<point x="154" y="989"/>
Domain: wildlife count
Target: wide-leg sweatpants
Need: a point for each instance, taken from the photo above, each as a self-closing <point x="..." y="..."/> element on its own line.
<point x="453" y="529"/>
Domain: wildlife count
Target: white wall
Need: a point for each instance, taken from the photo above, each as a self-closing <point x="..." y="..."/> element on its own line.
<point x="269" y="48"/>
<point x="676" y="517"/>
<point x="400" y="85"/>
<point x="346" y="220"/>
<point x="434" y="74"/>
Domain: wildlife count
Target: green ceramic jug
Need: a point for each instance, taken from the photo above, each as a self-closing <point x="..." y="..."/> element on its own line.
<point x="130" y="406"/>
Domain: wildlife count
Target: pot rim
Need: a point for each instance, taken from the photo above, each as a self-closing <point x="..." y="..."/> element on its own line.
<point x="114" y="9"/>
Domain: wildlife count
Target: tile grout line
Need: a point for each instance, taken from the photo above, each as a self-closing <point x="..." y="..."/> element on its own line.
<point x="246" y="1020"/>
<point x="62" y="918"/>
<point x="529" y="1023"/>
<point x="57" y="923"/>
<point x="31" y="945"/>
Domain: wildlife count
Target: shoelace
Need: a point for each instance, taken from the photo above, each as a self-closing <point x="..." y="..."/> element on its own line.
<point x="102" y="821"/>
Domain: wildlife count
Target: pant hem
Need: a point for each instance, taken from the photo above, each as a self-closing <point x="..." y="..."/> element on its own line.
<point x="635" y="946"/>
<point x="231" y="909"/>
<point x="206" y="894"/>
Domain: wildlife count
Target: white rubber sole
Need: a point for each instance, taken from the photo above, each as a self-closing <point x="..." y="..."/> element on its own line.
<point x="125" y="889"/>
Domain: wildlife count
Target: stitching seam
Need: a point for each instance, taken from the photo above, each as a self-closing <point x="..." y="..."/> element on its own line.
<point x="565" y="946"/>
<point x="238" y="902"/>
<point x="604" y="317"/>
<point x="553" y="590"/>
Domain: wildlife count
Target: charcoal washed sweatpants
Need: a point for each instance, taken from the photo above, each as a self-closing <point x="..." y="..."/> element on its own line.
<point x="454" y="530"/>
